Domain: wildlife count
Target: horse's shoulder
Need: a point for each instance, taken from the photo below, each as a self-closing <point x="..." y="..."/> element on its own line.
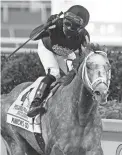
<point x="22" y="86"/>
<point x="19" y="88"/>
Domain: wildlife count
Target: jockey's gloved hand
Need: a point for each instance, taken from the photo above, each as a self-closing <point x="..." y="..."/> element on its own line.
<point x="69" y="77"/>
<point x="51" y="18"/>
<point x="76" y="63"/>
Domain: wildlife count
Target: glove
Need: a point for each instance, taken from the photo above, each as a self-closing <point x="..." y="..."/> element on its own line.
<point x="51" y="18"/>
<point x="76" y="63"/>
<point x="69" y="77"/>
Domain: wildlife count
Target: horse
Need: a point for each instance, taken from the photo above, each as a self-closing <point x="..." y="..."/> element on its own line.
<point x="4" y="147"/>
<point x="72" y="124"/>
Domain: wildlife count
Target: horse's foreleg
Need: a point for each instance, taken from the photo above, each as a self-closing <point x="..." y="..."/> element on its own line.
<point x="14" y="141"/>
<point x="4" y="147"/>
<point x="56" y="151"/>
<point x="97" y="151"/>
<point x="17" y="146"/>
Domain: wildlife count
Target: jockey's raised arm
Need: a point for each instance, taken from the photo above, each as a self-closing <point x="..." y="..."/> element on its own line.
<point x="62" y="39"/>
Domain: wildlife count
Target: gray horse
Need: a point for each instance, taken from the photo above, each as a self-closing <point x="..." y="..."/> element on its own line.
<point x="72" y="124"/>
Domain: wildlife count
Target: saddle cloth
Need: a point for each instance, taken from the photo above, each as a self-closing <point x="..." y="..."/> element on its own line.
<point x="17" y="113"/>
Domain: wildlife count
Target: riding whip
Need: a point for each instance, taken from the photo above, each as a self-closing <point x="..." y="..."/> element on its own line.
<point x="45" y="27"/>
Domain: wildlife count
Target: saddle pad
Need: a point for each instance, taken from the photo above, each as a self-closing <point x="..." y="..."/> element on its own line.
<point x="17" y="113"/>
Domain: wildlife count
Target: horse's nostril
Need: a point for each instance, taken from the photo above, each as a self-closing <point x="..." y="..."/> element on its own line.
<point x="108" y="92"/>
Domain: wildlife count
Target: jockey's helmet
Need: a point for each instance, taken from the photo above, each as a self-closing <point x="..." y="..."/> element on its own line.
<point x="75" y="19"/>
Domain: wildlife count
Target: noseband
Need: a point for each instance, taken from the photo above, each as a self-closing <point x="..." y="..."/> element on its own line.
<point x="91" y="85"/>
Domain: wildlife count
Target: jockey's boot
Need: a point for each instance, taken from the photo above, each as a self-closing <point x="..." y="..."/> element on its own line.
<point x="42" y="92"/>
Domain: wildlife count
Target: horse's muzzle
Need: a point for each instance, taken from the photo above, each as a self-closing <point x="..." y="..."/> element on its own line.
<point x="100" y="93"/>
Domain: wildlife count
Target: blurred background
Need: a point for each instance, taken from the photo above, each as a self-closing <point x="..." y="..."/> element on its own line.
<point x="19" y="18"/>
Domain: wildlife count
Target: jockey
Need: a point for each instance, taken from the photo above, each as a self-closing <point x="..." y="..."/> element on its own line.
<point x="63" y="39"/>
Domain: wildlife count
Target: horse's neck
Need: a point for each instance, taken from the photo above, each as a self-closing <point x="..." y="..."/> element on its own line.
<point x="85" y="106"/>
<point x="74" y="102"/>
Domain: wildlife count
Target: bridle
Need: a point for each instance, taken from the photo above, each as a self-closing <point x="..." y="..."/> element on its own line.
<point x="91" y="85"/>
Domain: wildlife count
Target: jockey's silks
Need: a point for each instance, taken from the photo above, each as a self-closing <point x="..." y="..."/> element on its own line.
<point x="60" y="44"/>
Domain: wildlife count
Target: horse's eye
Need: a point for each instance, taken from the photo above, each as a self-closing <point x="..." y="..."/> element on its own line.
<point x="97" y="92"/>
<point x="88" y="66"/>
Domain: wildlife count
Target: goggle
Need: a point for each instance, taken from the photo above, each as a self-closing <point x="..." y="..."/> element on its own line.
<point x="75" y="19"/>
<point x="71" y="25"/>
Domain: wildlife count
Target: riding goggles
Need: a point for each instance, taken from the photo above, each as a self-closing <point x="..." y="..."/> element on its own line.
<point x="71" y="26"/>
<point x="74" y="19"/>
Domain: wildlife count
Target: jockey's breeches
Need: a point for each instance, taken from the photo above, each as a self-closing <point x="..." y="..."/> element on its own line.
<point x="50" y="61"/>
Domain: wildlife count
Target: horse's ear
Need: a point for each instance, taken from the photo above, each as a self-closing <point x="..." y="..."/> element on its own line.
<point x="97" y="47"/>
<point x="105" y="49"/>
